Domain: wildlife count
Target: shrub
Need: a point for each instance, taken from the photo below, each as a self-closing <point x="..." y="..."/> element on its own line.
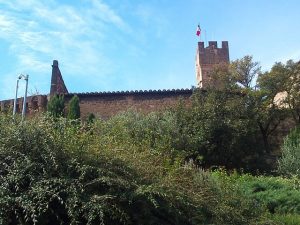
<point x="288" y="219"/>
<point x="91" y="118"/>
<point x="56" y="105"/>
<point x="50" y="176"/>
<point x="53" y="172"/>
<point x="74" y="108"/>
<point x="289" y="163"/>
<point x="279" y="195"/>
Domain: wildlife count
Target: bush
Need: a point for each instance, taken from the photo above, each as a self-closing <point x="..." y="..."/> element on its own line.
<point x="74" y="108"/>
<point x="56" y="106"/>
<point x="288" y="219"/>
<point x="50" y="176"/>
<point x="279" y="195"/>
<point x="289" y="163"/>
<point x="53" y="172"/>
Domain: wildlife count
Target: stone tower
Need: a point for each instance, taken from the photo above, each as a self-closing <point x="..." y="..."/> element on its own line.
<point x="207" y="58"/>
<point x="57" y="83"/>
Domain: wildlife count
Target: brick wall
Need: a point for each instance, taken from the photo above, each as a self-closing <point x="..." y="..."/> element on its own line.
<point x="207" y="58"/>
<point x="34" y="104"/>
<point x="105" y="105"/>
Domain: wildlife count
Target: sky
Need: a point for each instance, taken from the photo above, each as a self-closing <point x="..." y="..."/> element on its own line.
<point x="120" y="45"/>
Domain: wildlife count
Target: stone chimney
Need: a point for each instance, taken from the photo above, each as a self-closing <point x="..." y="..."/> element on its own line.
<point x="57" y="83"/>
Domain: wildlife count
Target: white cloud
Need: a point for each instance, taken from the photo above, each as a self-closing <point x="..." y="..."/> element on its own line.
<point x="105" y="13"/>
<point x="153" y="19"/>
<point x="38" y="32"/>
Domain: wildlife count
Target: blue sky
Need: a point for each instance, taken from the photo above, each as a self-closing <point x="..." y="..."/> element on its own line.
<point x="114" y="45"/>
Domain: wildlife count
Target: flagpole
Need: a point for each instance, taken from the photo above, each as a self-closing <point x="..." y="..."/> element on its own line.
<point x="199" y="30"/>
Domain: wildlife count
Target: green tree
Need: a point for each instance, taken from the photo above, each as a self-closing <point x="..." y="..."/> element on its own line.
<point x="214" y="132"/>
<point x="283" y="83"/>
<point x="275" y="80"/>
<point x="56" y="105"/>
<point x="222" y="78"/>
<point x="293" y="89"/>
<point x="245" y="70"/>
<point x="267" y="115"/>
<point x="265" y="108"/>
<point x="74" y="108"/>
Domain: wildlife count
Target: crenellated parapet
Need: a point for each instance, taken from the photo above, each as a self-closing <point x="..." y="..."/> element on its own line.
<point x="207" y="58"/>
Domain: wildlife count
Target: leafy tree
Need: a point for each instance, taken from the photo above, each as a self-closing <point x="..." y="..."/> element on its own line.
<point x="56" y="105"/>
<point x="265" y="107"/>
<point x="222" y="78"/>
<point x="283" y="84"/>
<point x="74" y="108"/>
<point x="275" y="80"/>
<point x="265" y="113"/>
<point x="215" y="132"/>
<point x="293" y="89"/>
<point x="245" y="70"/>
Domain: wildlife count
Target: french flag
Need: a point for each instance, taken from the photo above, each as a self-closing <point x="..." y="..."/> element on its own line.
<point x="198" y="32"/>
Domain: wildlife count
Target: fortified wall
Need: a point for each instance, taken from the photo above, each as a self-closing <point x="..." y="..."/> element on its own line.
<point x="107" y="104"/>
<point x="34" y="104"/>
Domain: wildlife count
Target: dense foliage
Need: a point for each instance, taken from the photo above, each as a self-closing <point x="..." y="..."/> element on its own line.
<point x="56" y="105"/>
<point x="289" y="163"/>
<point x="279" y="195"/>
<point x="53" y="172"/>
<point x="74" y="108"/>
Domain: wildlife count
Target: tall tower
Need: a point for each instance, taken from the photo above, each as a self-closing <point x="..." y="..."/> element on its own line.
<point x="57" y="83"/>
<point x="207" y="58"/>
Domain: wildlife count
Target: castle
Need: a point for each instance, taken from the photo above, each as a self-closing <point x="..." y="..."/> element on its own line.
<point x="107" y="104"/>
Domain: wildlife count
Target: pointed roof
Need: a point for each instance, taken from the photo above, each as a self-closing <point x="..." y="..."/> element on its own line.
<point x="57" y="83"/>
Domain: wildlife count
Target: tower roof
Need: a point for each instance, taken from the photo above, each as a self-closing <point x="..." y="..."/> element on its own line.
<point x="57" y="83"/>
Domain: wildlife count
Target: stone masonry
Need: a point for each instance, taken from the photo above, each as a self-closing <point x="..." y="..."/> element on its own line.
<point x="207" y="58"/>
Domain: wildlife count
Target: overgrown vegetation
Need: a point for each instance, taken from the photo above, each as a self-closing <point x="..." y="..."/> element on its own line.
<point x="56" y="106"/>
<point x="289" y="163"/>
<point x="74" y="108"/>
<point x="53" y="172"/>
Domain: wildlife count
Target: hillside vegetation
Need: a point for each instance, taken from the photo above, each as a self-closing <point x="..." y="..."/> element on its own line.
<point x="55" y="172"/>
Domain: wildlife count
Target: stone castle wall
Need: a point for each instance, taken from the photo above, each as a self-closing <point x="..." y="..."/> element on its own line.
<point x="34" y="105"/>
<point x="107" y="104"/>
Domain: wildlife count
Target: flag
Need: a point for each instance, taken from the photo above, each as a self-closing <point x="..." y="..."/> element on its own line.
<point x="198" y="32"/>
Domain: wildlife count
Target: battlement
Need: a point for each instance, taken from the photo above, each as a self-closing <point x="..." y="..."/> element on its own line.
<point x="207" y="58"/>
<point x="212" y="45"/>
